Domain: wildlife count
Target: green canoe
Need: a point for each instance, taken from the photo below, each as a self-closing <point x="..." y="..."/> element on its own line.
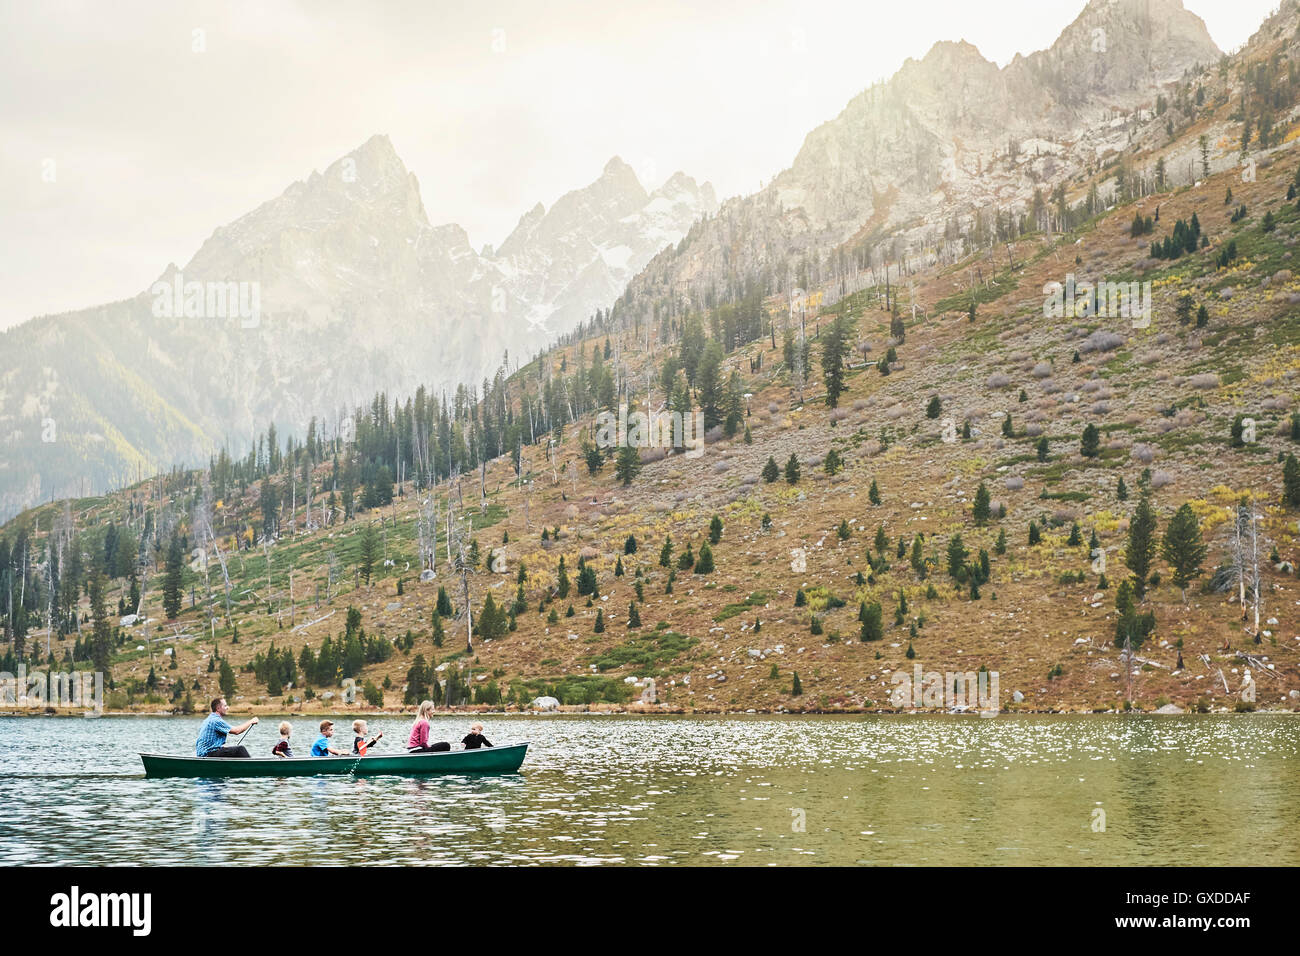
<point x="505" y="759"/>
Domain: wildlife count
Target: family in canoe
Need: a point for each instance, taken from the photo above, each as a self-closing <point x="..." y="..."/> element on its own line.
<point x="215" y="729"/>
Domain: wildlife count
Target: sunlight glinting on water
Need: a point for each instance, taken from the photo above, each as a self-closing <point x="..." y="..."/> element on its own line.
<point x="665" y="791"/>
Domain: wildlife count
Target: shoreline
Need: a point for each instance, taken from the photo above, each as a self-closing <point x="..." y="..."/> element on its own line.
<point x="571" y="710"/>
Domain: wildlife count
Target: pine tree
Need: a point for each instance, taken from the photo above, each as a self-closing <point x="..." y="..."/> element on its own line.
<point x="843" y="532"/>
<point x="618" y="566"/>
<point x="792" y="469"/>
<point x="834" y="348"/>
<point x="600" y="621"/>
<point x="1121" y="489"/>
<point x="226" y="679"/>
<point x="1041" y="449"/>
<point x="628" y="466"/>
<point x="715" y="530"/>
<point x="417" y="681"/>
<point x="562" y="580"/>
<point x="935" y="407"/>
<point x="873" y="495"/>
<point x="438" y="634"/>
<point x="633" y="615"/>
<point x="1236" y="432"/>
<point x="1184" y="548"/>
<point x="1091" y="442"/>
<point x="796" y="688"/>
<point x="704" y="564"/>
<point x="1008" y="430"/>
<point x="882" y="541"/>
<point x="872" y="622"/>
<point x="1141" y="544"/>
<point x="666" y="553"/>
<point x="101" y="638"/>
<point x="1131" y="625"/>
<point x="172" y="581"/>
<point x="956" y="557"/>
<point x="629" y="546"/>
<point x="587" y="580"/>
<point x="1076" y="538"/>
<point x="918" y="557"/>
<point x="1291" y="481"/>
<point x="980" y="510"/>
<point x="1001" y="546"/>
<point x="369" y="552"/>
<point x="771" y="471"/>
<point x="444" y="603"/>
<point x="1034" y="535"/>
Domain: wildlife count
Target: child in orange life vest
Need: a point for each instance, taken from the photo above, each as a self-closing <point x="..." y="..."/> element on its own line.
<point x="359" y="744"/>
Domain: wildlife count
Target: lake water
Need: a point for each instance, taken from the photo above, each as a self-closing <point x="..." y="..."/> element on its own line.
<point x="733" y="791"/>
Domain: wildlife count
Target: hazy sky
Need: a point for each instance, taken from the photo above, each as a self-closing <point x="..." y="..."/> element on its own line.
<point x="151" y="143"/>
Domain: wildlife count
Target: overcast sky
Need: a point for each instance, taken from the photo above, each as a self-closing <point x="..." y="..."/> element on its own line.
<point x="151" y="143"/>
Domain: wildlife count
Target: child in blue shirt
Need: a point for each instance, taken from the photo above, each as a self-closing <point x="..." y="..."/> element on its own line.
<point x="322" y="748"/>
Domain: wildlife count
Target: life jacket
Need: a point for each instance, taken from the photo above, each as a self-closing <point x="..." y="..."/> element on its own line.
<point x="359" y="746"/>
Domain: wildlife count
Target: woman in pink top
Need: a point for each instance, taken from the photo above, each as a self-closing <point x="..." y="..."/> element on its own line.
<point x="419" y="739"/>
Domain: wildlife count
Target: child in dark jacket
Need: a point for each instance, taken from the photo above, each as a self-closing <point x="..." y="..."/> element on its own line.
<point x="282" y="748"/>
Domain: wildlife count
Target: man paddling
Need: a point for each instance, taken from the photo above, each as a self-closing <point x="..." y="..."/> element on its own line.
<point x="213" y="733"/>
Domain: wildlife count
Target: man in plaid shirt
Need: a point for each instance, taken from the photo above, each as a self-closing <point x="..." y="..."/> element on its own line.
<point x="212" y="735"/>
